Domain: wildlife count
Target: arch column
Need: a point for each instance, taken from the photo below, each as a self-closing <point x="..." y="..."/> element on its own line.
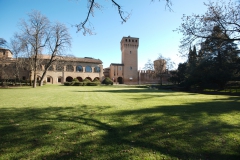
<point x="74" y="68"/>
<point x="83" y="69"/>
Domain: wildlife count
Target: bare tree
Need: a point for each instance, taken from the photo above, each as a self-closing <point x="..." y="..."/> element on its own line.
<point x="59" y="41"/>
<point x="35" y="35"/>
<point x="198" y="27"/>
<point x="3" y="42"/>
<point x="92" y="5"/>
<point x="17" y="49"/>
<point x="149" y="65"/>
<point x="159" y="68"/>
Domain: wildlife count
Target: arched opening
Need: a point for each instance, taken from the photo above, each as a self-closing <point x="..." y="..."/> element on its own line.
<point x="88" y="69"/>
<point x="50" y="68"/>
<point x="69" y="79"/>
<point x="69" y="68"/>
<point x="59" y="68"/>
<point x="120" y="80"/>
<point x="38" y="78"/>
<point x="49" y="79"/>
<point x="79" y="68"/>
<point x="80" y="79"/>
<point x="59" y="79"/>
<point x="97" y="69"/>
<point x="89" y="78"/>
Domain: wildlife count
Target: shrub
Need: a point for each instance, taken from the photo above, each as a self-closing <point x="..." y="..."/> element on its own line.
<point x="67" y="83"/>
<point x="107" y="81"/>
<point x="97" y="82"/>
<point x="78" y="83"/>
<point x="86" y="81"/>
<point x="75" y="80"/>
<point x="93" y="84"/>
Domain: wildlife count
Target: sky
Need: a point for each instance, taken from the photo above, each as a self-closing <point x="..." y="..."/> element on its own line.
<point x="151" y="22"/>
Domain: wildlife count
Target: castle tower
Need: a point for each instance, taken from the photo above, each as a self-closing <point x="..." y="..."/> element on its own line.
<point x="129" y="48"/>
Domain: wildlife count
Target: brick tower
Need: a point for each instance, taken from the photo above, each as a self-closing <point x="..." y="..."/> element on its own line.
<point x="129" y="48"/>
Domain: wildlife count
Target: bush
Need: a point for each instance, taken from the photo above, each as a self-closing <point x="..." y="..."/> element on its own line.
<point x="67" y="83"/>
<point x="86" y="81"/>
<point x="78" y="83"/>
<point x="93" y="84"/>
<point x="107" y="81"/>
<point x="97" y="82"/>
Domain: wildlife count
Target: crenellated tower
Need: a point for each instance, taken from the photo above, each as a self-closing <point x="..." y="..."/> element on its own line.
<point x="129" y="48"/>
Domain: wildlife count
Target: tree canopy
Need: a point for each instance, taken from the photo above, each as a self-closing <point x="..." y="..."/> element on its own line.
<point x="215" y="64"/>
<point x="196" y="28"/>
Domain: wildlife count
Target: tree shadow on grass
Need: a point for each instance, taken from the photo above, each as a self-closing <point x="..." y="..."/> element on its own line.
<point x="208" y="130"/>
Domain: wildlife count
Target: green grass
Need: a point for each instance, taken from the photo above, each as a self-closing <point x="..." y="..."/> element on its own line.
<point x="67" y="122"/>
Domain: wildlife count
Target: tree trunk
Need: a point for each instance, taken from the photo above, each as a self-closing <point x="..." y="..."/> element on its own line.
<point x="42" y="78"/>
<point x="161" y="80"/>
<point x="30" y="78"/>
<point x="35" y="80"/>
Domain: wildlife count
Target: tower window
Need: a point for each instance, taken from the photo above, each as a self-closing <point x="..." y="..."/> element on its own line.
<point x="126" y="40"/>
<point x="136" y="40"/>
<point x="129" y="40"/>
<point x="130" y="68"/>
<point x="130" y="52"/>
<point x="132" y="40"/>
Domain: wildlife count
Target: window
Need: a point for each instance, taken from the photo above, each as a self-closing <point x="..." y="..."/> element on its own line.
<point x="69" y="68"/>
<point x="59" y="68"/>
<point x="79" y="68"/>
<point x="48" y="79"/>
<point x="88" y="69"/>
<point x="97" y="69"/>
<point x="132" y="40"/>
<point x="129" y="40"/>
<point x="59" y="79"/>
<point x="125" y="40"/>
<point x="50" y="68"/>
<point x="136" y="40"/>
<point x="130" y="68"/>
<point x="130" y="52"/>
<point x="24" y="78"/>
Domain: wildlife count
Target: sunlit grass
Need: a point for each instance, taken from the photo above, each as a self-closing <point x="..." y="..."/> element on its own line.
<point x="110" y="122"/>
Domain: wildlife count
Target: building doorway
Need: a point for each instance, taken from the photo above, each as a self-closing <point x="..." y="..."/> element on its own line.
<point x="120" y="80"/>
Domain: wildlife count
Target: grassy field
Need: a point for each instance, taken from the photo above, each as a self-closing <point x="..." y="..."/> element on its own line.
<point x="66" y="122"/>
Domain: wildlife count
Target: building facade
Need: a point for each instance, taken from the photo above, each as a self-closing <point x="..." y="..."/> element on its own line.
<point x="64" y="70"/>
<point x="68" y="68"/>
<point x="127" y="72"/>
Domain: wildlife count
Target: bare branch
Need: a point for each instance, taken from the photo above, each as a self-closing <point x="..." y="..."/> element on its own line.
<point x="197" y="28"/>
<point x="92" y="4"/>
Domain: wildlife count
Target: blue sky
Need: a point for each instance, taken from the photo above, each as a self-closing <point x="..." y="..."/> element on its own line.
<point x="150" y="21"/>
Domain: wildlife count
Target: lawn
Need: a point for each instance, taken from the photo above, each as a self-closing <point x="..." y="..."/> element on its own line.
<point x="110" y="122"/>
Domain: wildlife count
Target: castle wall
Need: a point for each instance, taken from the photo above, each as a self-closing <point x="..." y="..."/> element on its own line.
<point x="149" y="77"/>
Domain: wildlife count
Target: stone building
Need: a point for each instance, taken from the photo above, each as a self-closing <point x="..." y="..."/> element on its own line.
<point x="68" y="68"/>
<point x="127" y="72"/>
<point x="63" y="70"/>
